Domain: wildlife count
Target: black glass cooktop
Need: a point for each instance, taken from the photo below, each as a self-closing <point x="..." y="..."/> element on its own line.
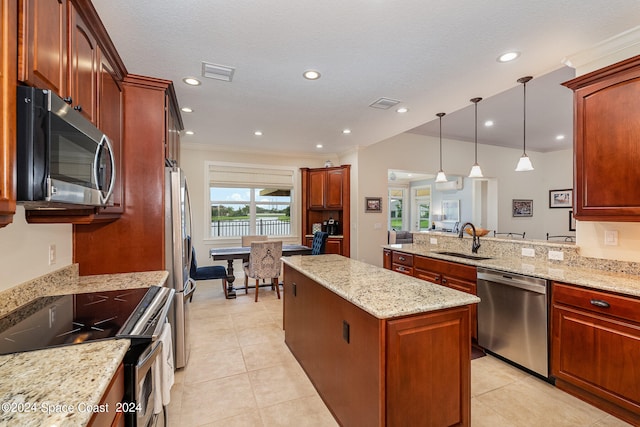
<point x="68" y="319"/>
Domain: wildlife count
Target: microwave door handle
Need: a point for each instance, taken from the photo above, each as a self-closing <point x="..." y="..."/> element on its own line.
<point x="96" y="167"/>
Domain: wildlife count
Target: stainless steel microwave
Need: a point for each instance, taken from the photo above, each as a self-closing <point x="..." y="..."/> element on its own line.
<point x="63" y="160"/>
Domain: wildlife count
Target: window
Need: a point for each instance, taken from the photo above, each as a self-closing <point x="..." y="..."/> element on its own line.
<point x="396" y="209"/>
<point x="422" y="203"/>
<point x="246" y="200"/>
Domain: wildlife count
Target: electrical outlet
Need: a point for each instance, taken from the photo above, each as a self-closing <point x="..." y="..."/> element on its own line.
<point x="611" y="238"/>
<point x="557" y="255"/>
<point x="52" y="254"/>
<point x="433" y="241"/>
<point x="528" y="252"/>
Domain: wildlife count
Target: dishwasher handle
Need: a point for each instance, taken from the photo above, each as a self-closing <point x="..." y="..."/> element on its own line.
<point x="521" y="282"/>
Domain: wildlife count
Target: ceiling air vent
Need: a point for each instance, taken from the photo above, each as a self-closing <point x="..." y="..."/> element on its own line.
<point x="384" y="103"/>
<point x="218" y="72"/>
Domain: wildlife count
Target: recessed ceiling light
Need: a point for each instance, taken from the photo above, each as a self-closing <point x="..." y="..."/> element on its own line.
<point x="186" y="110"/>
<point x="311" y="75"/>
<point x="258" y="133"/>
<point x="402" y="110"/>
<point x="189" y="132"/>
<point x="191" y="81"/>
<point x="318" y="145"/>
<point x="508" y="56"/>
<point x="488" y="123"/>
<point x="559" y="137"/>
<point x="346" y="131"/>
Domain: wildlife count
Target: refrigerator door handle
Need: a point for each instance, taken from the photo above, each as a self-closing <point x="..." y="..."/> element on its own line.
<point x="188" y="294"/>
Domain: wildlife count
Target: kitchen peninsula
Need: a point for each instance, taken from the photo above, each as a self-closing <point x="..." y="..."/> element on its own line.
<point x="380" y="347"/>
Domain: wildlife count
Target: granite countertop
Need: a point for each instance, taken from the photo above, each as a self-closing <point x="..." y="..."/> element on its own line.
<point x="382" y="293"/>
<point x="622" y="283"/>
<point x="58" y="386"/>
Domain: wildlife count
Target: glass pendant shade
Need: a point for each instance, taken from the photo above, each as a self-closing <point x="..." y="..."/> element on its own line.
<point x="524" y="164"/>
<point x="476" y="172"/>
<point x="441" y="177"/>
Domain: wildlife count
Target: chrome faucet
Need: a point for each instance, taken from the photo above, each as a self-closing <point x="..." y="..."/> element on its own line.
<point x="476" y="240"/>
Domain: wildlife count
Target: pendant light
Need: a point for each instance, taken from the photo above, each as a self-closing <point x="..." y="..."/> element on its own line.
<point x="524" y="164"/>
<point x="476" y="172"/>
<point x="441" y="177"/>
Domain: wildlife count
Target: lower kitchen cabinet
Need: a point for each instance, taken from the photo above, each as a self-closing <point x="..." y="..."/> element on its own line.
<point x="112" y="396"/>
<point x="333" y="246"/>
<point x="413" y="370"/>
<point x="596" y="348"/>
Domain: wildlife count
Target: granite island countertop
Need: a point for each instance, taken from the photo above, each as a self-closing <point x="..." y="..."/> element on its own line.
<point x="382" y="293"/>
<point x="58" y="386"/>
<point x="623" y="283"/>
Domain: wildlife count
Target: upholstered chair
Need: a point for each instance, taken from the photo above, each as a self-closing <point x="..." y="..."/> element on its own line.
<point x="209" y="272"/>
<point x="264" y="263"/>
<point x="319" y="242"/>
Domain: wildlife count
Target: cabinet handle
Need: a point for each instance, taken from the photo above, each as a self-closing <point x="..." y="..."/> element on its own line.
<point x="444" y="280"/>
<point x="78" y="108"/>
<point x="401" y="258"/>
<point x="600" y="303"/>
<point x="438" y="278"/>
<point x="68" y="100"/>
<point x="400" y="268"/>
<point x="295" y="289"/>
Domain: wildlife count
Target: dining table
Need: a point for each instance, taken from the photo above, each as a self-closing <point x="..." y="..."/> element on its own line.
<point x="242" y="253"/>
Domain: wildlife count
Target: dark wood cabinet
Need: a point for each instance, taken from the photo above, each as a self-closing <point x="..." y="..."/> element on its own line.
<point x="378" y="372"/>
<point x="606" y="143"/>
<point x="83" y="66"/>
<point x="333" y="245"/>
<point x="43" y="45"/>
<point x="8" y="75"/>
<point x="386" y="259"/>
<point x="111" y="397"/>
<point x="596" y="348"/>
<point x="325" y="196"/>
<point x="135" y="242"/>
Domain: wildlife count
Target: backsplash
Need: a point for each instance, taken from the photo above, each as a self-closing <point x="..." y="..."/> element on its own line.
<point x="497" y="247"/>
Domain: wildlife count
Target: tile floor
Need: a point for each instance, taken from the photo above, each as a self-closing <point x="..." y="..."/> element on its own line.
<point x="242" y="374"/>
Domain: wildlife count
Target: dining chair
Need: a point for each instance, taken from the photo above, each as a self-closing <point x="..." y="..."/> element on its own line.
<point x="264" y="263"/>
<point x="319" y="242"/>
<point x="209" y="272"/>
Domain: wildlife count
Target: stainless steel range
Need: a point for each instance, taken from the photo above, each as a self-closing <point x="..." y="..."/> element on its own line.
<point x="137" y="314"/>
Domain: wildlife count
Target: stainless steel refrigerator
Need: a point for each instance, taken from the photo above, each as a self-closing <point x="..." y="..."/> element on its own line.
<point x="178" y="259"/>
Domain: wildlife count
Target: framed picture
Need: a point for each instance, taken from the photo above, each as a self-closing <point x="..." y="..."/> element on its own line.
<point x="373" y="204"/>
<point x="522" y="207"/>
<point x="561" y="198"/>
<point x="451" y="210"/>
<point x="572" y="222"/>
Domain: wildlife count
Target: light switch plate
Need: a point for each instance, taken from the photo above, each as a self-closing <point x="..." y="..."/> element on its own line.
<point x="433" y="240"/>
<point x="528" y="252"/>
<point x="611" y="238"/>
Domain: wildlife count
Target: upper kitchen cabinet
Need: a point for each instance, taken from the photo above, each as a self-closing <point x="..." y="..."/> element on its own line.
<point x="606" y="143"/>
<point x="63" y="47"/>
<point x="8" y="53"/>
<point x="325" y="197"/>
<point x="173" y="126"/>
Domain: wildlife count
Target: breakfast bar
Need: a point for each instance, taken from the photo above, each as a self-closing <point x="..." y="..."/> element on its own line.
<point x="381" y="348"/>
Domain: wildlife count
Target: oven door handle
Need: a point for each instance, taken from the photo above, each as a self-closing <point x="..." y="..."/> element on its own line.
<point x="144" y="365"/>
<point x="192" y="288"/>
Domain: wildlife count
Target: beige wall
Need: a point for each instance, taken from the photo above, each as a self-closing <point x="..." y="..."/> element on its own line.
<point x="24" y="249"/>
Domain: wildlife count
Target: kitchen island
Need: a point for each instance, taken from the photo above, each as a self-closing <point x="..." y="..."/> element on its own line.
<point x="380" y="347"/>
<point x="63" y="386"/>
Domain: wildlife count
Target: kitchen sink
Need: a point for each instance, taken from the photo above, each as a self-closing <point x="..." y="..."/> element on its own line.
<point x="461" y="255"/>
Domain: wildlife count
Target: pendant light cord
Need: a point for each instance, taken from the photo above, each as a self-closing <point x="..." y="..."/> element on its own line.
<point x="524" y="115"/>
<point x="440" y="115"/>
<point x="475" y="101"/>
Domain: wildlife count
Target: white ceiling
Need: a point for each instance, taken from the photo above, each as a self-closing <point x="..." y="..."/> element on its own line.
<point x="431" y="55"/>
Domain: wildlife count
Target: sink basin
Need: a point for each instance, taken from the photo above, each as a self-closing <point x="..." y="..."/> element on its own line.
<point x="461" y="255"/>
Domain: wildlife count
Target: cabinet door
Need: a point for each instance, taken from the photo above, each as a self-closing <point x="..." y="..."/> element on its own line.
<point x="8" y="43"/>
<point x="43" y="45"/>
<point x="333" y="246"/>
<point x="429" y="276"/>
<point x="386" y="258"/>
<point x="110" y="122"/>
<point x="470" y="288"/>
<point x="607" y="149"/>
<point x="317" y="182"/>
<point x="440" y="377"/>
<point x="599" y="355"/>
<point x="333" y="199"/>
<point x="83" y="66"/>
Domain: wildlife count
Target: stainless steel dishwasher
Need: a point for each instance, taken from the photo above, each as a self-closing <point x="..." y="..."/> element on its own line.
<point x="513" y="318"/>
